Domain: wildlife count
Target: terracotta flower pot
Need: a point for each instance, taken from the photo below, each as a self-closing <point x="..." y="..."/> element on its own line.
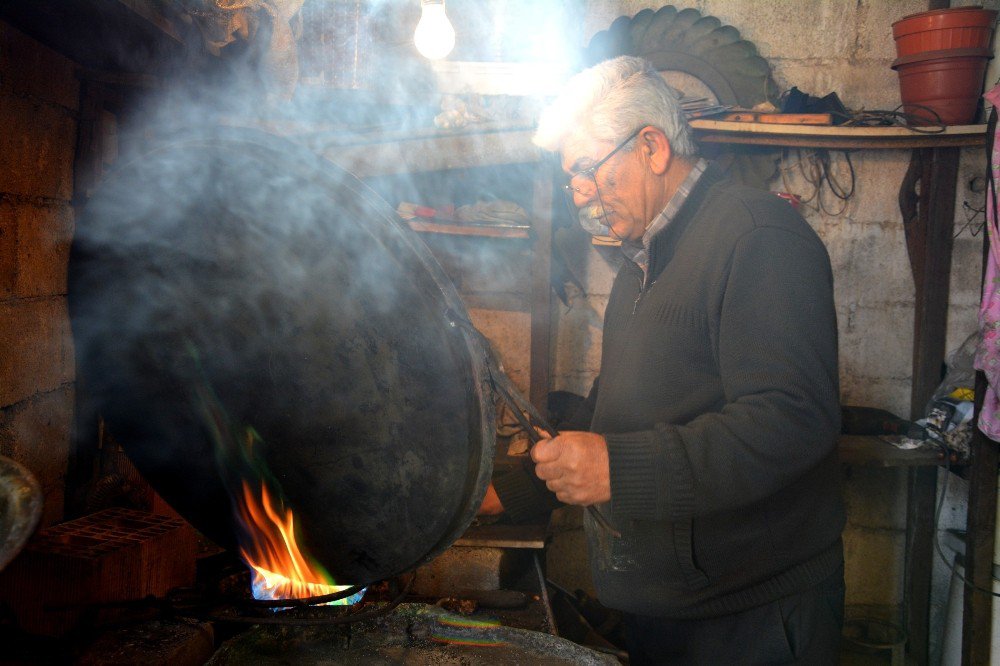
<point x="948" y="82"/>
<point x="938" y="29"/>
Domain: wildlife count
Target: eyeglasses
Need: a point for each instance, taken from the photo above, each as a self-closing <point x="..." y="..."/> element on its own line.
<point x="591" y="172"/>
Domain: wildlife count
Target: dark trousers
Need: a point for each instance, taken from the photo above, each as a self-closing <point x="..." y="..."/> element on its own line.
<point x="798" y="629"/>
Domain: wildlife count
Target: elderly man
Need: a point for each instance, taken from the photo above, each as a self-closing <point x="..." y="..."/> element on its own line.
<point x="708" y="442"/>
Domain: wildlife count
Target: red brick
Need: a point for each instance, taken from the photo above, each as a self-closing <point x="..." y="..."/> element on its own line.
<point x="8" y="251"/>
<point x="37" y="146"/>
<point x="36" y="433"/>
<point x="36" y="348"/>
<point x="30" y="68"/>
<point x="34" y="249"/>
<point x="44" y="238"/>
<point x="113" y="555"/>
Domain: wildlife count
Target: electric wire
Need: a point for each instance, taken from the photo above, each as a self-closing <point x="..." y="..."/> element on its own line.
<point x="522" y="409"/>
<point x="926" y="122"/>
<point x="953" y="565"/>
<point x="971" y="216"/>
<point x="817" y="169"/>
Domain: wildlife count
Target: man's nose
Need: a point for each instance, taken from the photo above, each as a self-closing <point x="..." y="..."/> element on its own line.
<point x="583" y="191"/>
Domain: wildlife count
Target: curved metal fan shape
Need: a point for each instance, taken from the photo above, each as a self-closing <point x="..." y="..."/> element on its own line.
<point x="706" y="49"/>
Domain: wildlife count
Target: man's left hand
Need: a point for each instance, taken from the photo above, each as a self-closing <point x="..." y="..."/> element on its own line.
<point x="574" y="465"/>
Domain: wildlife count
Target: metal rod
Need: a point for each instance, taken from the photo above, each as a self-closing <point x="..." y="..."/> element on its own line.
<point x="503" y="385"/>
<point x="549" y="616"/>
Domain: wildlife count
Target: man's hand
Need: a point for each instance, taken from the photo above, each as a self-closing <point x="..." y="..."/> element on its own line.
<point x="574" y="465"/>
<point x="491" y="505"/>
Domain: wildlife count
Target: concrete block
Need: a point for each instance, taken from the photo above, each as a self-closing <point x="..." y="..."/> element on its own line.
<point x="36" y="148"/>
<point x="878" y="175"/>
<point x="870" y="264"/>
<point x="37" y="434"/>
<point x="891" y="393"/>
<point x="574" y="382"/>
<point x="470" y="568"/>
<point x="567" y="563"/>
<point x="27" y="68"/>
<point x="875" y="497"/>
<point x="34" y="248"/>
<point x="8" y="251"/>
<point x="874" y="26"/>
<point x="36" y="348"/>
<point x="578" y="336"/>
<point x="509" y="334"/>
<point x="873" y="567"/>
<point x="860" y="84"/>
<point x="789" y="29"/>
<point x="876" y="339"/>
<point x="594" y="267"/>
<point x="963" y="321"/>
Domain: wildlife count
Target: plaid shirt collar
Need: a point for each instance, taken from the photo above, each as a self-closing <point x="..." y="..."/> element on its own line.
<point x="638" y="251"/>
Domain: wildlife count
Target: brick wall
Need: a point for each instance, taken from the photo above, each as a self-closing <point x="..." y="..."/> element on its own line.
<point x="38" y="113"/>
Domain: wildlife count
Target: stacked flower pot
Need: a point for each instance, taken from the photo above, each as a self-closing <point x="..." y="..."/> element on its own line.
<point x="941" y="61"/>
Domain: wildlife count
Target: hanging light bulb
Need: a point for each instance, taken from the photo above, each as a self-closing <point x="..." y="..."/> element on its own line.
<point x="434" y="37"/>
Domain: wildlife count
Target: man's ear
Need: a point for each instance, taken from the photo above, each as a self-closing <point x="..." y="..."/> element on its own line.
<point x="655" y="146"/>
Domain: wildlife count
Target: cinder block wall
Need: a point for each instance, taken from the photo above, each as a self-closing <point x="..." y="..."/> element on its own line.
<point x="38" y="109"/>
<point x="821" y="46"/>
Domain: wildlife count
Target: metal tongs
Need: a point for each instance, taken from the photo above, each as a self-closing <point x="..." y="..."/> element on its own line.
<point x="501" y="385"/>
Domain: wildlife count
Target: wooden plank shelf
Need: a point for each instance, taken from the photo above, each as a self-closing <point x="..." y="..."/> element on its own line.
<point x="504" y="536"/>
<point x="874" y="452"/>
<point x="836" y="137"/>
<point x="480" y="230"/>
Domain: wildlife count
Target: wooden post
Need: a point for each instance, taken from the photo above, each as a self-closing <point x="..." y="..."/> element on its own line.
<point x="929" y="244"/>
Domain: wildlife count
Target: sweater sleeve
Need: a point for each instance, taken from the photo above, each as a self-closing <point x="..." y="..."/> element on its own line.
<point x="776" y="345"/>
<point x="524" y="496"/>
<point x="580" y="419"/>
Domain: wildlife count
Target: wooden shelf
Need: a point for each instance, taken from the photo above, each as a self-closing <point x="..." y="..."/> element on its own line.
<point x="872" y="451"/>
<point x="479" y="230"/>
<point x="835" y="137"/>
<point x="504" y="536"/>
<point x="388" y="152"/>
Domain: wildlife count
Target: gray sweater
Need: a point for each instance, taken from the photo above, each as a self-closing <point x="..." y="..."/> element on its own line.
<point x="718" y="397"/>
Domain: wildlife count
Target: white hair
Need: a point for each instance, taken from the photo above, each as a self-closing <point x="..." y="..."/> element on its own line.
<point x="611" y="100"/>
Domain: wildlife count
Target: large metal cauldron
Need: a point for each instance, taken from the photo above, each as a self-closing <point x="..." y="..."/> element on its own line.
<point x="232" y="283"/>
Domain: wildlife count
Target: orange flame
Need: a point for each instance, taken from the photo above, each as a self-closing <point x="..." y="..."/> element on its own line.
<point x="278" y="567"/>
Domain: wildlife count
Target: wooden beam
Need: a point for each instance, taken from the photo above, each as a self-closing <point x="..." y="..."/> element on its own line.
<point x="930" y="255"/>
<point x="929" y="246"/>
<point x="836" y="137"/>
